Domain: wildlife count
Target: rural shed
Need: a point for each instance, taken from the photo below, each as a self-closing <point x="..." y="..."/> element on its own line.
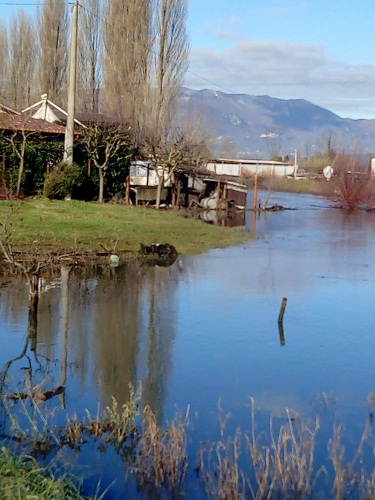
<point x="144" y="181"/>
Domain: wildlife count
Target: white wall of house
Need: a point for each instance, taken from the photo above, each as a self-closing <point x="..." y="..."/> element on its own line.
<point x="142" y="173"/>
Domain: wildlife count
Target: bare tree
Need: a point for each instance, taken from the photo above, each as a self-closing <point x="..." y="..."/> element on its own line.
<point x="170" y="61"/>
<point x="21" y="64"/>
<point x="89" y="51"/>
<point x="182" y="151"/>
<point x="102" y="143"/>
<point x="53" y="24"/>
<point x="3" y="61"/>
<point x="18" y="139"/>
<point x="126" y="59"/>
<point x="351" y="185"/>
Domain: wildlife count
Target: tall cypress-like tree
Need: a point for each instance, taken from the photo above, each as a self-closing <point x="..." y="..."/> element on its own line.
<point x="22" y="45"/>
<point x="3" y="61"/>
<point x="126" y="58"/>
<point x="89" y="53"/>
<point x="170" y="61"/>
<point x="53" y="25"/>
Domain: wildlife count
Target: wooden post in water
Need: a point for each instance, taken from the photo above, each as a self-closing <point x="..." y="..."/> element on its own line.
<point x="255" y="198"/>
<point x="282" y="310"/>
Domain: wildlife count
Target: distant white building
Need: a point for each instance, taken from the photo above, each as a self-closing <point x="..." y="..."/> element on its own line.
<point x="241" y="168"/>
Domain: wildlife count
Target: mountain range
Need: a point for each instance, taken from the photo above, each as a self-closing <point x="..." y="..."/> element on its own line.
<point x="248" y="126"/>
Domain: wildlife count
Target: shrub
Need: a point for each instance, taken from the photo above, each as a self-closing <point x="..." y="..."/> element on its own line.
<point x="63" y="179"/>
<point x="351" y="183"/>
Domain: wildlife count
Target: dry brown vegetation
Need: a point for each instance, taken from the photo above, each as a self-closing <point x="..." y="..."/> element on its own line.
<point x="282" y="463"/>
<point x="276" y="463"/>
<point x="351" y="185"/>
<point x="161" y="456"/>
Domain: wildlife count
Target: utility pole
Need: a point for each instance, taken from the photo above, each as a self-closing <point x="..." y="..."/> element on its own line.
<point x="69" y="130"/>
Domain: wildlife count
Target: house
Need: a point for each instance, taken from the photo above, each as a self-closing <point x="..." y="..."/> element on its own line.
<point x="6" y="109"/>
<point x="10" y="123"/>
<point x="48" y="111"/>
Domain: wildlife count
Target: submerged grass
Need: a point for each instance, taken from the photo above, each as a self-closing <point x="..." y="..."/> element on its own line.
<point x="81" y="226"/>
<point x="278" y="463"/>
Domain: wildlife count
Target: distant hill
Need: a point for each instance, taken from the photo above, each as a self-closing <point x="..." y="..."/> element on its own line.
<point x="263" y="126"/>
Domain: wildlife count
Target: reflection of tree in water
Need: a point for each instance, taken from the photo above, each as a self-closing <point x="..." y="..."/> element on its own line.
<point x="161" y="324"/>
<point x="105" y="329"/>
<point x="115" y="328"/>
<point x="134" y="329"/>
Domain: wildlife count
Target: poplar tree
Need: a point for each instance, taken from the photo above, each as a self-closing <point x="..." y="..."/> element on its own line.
<point x="21" y="61"/>
<point x="3" y="61"/>
<point x="170" y="58"/>
<point x="126" y="58"/>
<point x="53" y="25"/>
<point x="89" y="52"/>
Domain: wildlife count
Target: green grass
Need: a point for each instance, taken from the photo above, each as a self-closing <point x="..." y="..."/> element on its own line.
<point x="284" y="184"/>
<point x="67" y="225"/>
<point x="22" y="478"/>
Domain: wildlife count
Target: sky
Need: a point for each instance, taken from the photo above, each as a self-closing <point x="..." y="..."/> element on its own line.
<point x="319" y="50"/>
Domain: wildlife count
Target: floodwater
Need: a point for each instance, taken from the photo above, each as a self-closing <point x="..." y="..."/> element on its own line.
<point x="205" y="329"/>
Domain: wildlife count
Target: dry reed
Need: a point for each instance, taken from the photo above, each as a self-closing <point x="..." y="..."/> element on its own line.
<point x="161" y="458"/>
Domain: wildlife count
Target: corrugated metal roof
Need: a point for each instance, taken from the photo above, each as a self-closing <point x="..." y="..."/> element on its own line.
<point x="22" y="122"/>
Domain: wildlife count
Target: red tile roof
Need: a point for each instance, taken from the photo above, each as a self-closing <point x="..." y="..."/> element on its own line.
<point x="22" y="122"/>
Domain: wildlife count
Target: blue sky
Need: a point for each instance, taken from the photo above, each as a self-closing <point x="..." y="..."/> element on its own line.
<point x="319" y="50"/>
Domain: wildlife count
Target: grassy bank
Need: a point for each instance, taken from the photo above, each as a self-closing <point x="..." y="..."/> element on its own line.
<point x="22" y="478"/>
<point x="68" y="225"/>
<point x="289" y="185"/>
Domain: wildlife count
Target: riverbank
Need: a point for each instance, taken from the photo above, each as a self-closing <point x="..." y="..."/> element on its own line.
<point x="66" y="226"/>
<point x="24" y="478"/>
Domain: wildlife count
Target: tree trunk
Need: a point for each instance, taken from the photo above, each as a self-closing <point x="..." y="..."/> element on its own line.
<point x="32" y="328"/>
<point x="20" y="172"/>
<point x="158" y="192"/>
<point x="127" y="189"/>
<point x="178" y="193"/>
<point x="101" y="185"/>
<point x="33" y="293"/>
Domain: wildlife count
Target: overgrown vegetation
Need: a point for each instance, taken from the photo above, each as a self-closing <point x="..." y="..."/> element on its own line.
<point x="161" y="455"/>
<point x="278" y="463"/>
<point x="351" y="185"/>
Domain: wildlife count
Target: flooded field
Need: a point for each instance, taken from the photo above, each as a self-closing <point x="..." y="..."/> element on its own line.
<point x="205" y="330"/>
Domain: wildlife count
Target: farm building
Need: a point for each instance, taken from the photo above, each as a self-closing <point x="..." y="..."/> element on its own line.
<point x="243" y="168"/>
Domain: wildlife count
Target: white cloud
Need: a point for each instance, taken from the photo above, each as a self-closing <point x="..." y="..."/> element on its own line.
<point x="287" y="70"/>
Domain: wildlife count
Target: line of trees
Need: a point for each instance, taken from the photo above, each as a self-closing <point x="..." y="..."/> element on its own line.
<point x="132" y="58"/>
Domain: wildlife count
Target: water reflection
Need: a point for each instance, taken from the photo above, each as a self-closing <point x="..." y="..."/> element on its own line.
<point x="207" y="326"/>
<point x="108" y="330"/>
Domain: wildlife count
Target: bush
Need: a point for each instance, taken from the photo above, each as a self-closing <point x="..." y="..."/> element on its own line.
<point x="351" y="185"/>
<point x="63" y="180"/>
